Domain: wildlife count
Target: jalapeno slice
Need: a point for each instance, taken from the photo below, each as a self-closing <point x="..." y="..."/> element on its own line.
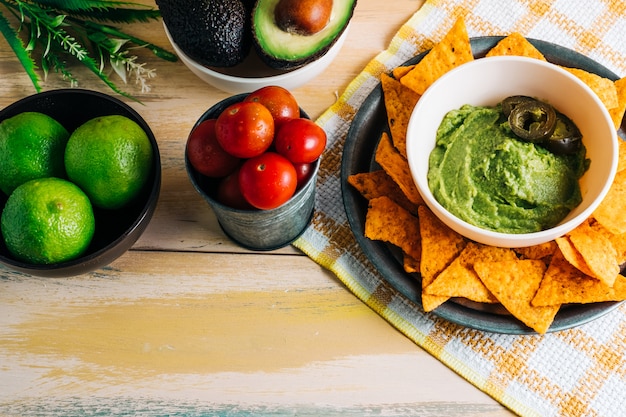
<point x="533" y="121"/>
<point x="511" y="102"/>
<point x="566" y="138"/>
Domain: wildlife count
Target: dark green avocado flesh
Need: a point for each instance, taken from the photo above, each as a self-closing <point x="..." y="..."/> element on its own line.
<point x="213" y="33"/>
<point x="283" y="50"/>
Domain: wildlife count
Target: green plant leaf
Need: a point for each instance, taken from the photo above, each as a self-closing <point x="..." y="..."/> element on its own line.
<point x="20" y="51"/>
<point x="110" y="30"/>
<point x="75" y="5"/>
<point x="104" y="11"/>
<point x="118" y="15"/>
<point x="63" y="27"/>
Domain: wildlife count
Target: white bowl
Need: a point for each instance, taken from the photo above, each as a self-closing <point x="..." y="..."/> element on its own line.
<point x="253" y="74"/>
<point x="487" y="81"/>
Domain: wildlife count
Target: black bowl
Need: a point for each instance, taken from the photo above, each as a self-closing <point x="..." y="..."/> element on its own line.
<point x="116" y="230"/>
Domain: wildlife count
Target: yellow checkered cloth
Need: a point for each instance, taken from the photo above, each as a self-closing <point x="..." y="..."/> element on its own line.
<point x="576" y="372"/>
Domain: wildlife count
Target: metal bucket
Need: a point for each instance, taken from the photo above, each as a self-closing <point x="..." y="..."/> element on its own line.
<point x="257" y="229"/>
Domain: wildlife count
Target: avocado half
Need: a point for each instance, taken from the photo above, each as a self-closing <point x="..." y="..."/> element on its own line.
<point x="213" y="33"/>
<point x="284" y="50"/>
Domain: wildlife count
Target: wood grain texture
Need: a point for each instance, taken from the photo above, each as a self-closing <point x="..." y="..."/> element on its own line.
<point x="188" y="323"/>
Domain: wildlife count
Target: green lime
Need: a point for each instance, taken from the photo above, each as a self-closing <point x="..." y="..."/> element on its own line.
<point x="47" y="220"/>
<point x="31" y="146"/>
<point x="110" y="158"/>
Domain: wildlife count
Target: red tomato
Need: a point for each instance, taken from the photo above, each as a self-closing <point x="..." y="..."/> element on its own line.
<point x="245" y="129"/>
<point x="205" y="153"/>
<point x="300" y="140"/>
<point x="279" y="101"/>
<point x="303" y="172"/>
<point x="229" y="194"/>
<point x="268" y="180"/>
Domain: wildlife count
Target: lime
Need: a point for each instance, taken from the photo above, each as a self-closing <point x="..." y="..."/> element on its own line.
<point x="31" y="146"/>
<point x="110" y="158"/>
<point x="47" y="220"/>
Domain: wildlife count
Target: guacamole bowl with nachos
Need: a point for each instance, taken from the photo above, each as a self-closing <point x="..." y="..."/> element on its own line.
<point x="512" y="151"/>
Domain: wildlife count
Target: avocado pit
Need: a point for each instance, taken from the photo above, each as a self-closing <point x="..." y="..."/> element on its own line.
<point x="304" y="17"/>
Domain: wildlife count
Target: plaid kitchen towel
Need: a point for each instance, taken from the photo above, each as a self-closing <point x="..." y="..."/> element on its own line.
<point x="580" y="371"/>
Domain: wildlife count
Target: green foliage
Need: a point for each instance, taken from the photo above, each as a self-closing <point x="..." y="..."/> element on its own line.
<point x="78" y="29"/>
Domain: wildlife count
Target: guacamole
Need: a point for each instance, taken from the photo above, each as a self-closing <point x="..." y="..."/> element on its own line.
<point x="482" y="173"/>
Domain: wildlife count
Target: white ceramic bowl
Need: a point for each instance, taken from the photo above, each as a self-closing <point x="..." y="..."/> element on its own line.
<point x="487" y="81"/>
<point x="253" y="74"/>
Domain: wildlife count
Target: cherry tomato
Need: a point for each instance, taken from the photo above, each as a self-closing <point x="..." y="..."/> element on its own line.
<point x="300" y="140"/>
<point x="205" y="153"/>
<point x="245" y="129"/>
<point x="229" y="194"/>
<point x="279" y="101"/>
<point x="268" y="180"/>
<point x="303" y="172"/>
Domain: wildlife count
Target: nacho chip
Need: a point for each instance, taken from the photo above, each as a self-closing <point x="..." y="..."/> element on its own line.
<point x="516" y="44"/>
<point x="621" y="158"/>
<point x="377" y="184"/>
<point x="397" y="167"/>
<point x="565" y="284"/>
<point x="460" y="280"/>
<point x="603" y="87"/>
<point x="399" y="102"/>
<point x="401" y="71"/>
<point x="440" y="246"/>
<point x="618" y="241"/>
<point x="387" y="221"/>
<point x="608" y="213"/>
<point x="597" y="252"/>
<point x="571" y="254"/>
<point x="617" y="113"/>
<point x="453" y="50"/>
<point x="514" y="283"/>
<point x="410" y="264"/>
<point x="541" y="251"/>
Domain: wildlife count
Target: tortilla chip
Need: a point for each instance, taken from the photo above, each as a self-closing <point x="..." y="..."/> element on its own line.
<point x="541" y="251"/>
<point x="410" y="264"/>
<point x="572" y="255"/>
<point x="440" y="246"/>
<point x="603" y="87"/>
<point x="565" y="284"/>
<point x="401" y="71"/>
<point x="514" y="283"/>
<point x="453" y="50"/>
<point x="597" y="251"/>
<point x="377" y="184"/>
<point x="460" y="280"/>
<point x="617" y="113"/>
<point x="399" y="102"/>
<point x="397" y="167"/>
<point x="621" y="158"/>
<point x="387" y="221"/>
<point x="516" y="44"/>
<point x="609" y="212"/>
<point x="618" y="241"/>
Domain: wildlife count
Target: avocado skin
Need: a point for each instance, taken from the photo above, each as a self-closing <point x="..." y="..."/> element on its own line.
<point x="215" y="33"/>
<point x="291" y="64"/>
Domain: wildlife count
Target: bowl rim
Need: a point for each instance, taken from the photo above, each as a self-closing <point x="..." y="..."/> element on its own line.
<point x="492" y="237"/>
<point x="147" y="209"/>
<point x="270" y="79"/>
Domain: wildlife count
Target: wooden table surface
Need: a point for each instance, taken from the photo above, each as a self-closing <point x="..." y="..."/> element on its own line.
<point x="188" y="323"/>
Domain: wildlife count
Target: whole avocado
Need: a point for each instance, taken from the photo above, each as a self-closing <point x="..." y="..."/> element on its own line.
<point x="284" y="49"/>
<point x="215" y="33"/>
